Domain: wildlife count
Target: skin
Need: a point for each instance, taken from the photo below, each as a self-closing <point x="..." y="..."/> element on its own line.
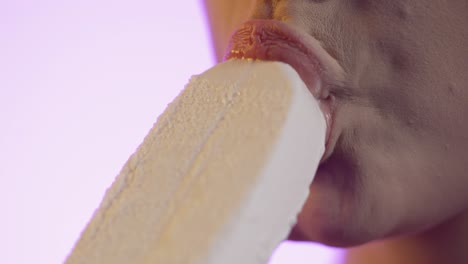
<point x="396" y="186"/>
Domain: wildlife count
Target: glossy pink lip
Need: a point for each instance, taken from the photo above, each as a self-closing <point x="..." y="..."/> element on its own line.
<point x="277" y="41"/>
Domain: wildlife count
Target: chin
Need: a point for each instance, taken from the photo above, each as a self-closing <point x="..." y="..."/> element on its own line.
<point x="339" y="211"/>
<point x="328" y="226"/>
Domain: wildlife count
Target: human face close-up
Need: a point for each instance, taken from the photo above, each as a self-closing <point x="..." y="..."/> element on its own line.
<point x="394" y="83"/>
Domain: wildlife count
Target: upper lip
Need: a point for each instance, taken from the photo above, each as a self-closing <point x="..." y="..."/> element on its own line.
<point x="273" y="40"/>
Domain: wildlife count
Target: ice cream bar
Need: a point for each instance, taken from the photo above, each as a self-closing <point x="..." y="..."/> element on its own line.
<point x="221" y="176"/>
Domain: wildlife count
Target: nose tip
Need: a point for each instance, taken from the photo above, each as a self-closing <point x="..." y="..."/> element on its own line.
<point x="224" y="16"/>
<point x="263" y="9"/>
<point x="274" y="9"/>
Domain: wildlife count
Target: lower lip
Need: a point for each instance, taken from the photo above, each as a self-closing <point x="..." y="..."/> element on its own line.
<point x="274" y="41"/>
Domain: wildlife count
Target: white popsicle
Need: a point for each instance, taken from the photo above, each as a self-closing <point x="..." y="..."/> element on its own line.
<point x="221" y="176"/>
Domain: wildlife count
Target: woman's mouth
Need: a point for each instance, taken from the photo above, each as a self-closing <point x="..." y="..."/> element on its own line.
<point x="273" y="40"/>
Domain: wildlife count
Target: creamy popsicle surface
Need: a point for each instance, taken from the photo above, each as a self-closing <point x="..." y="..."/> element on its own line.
<point x="221" y="176"/>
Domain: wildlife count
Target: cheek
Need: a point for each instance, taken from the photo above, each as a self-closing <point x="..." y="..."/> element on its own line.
<point x="361" y="192"/>
<point x="404" y="126"/>
<point x="386" y="177"/>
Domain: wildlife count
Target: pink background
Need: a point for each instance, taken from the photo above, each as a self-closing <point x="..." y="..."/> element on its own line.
<point x="81" y="84"/>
